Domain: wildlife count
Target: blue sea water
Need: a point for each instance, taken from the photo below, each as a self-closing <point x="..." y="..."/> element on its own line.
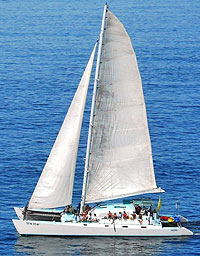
<point x="44" y="48"/>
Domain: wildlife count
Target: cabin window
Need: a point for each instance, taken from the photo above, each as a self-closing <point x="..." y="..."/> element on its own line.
<point x="106" y="226"/>
<point x="124" y="226"/>
<point x="84" y="224"/>
<point x="143" y="227"/>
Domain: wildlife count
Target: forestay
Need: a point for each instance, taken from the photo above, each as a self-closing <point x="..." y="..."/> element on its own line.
<point x="120" y="161"/>
<point x="55" y="186"/>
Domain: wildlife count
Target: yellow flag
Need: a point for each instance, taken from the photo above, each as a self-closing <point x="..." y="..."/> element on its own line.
<point x="159" y="204"/>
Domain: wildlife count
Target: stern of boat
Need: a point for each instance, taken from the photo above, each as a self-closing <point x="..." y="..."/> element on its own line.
<point x="19" y="225"/>
<point x="186" y="232"/>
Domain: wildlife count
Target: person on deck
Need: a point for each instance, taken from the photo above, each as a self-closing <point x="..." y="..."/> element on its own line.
<point x="89" y="217"/>
<point x="115" y="216"/>
<point x="137" y="209"/>
<point x="109" y="215"/>
<point x="71" y="209"/>
<point x="125" y="216"/>
<point x="87" y="207"/>
<point x="140" y="219"/>
<point x="78" y="207"/>
<point x="151" y="210"/>
<point x="66" y="210"/>
<point x="149" y="217"/>
<point x="76" y="218"/>
<point x="95" y="218"/>
<point x="133" y="216"/>
<point x="120" y="216"/>
<point x="85" y="216"/>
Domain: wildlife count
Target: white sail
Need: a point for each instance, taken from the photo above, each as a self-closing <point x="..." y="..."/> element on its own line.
<point x="120" y="162"/>
<point x="55" y="186"/>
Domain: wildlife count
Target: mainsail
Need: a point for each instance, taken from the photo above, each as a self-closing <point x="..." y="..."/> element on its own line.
<point x="120" y="162"/>
<point x="55" y="186"/>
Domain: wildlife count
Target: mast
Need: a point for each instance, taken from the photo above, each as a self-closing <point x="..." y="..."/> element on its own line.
<point x="92" y="108"/>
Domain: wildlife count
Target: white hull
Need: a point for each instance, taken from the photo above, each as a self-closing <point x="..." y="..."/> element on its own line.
<point x="45" y="228"/>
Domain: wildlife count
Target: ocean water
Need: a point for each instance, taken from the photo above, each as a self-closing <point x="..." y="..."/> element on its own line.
<point x="44" y="48"/>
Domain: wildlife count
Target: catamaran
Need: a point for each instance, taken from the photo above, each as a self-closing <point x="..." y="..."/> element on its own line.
<point x="118" y="157"/>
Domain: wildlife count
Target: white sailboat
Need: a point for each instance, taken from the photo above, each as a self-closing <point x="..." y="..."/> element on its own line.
<point x="118" y="158"/>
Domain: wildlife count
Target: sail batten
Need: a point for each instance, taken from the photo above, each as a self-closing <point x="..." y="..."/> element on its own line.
<point x="120" y="163"/>
<point x="55" y="186"/>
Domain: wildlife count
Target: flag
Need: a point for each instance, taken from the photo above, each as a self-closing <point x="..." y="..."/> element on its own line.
<point x="159" y="204"/>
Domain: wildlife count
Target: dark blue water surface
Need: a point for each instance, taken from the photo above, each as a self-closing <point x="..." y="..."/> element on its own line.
<point x="44" y="48"/>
